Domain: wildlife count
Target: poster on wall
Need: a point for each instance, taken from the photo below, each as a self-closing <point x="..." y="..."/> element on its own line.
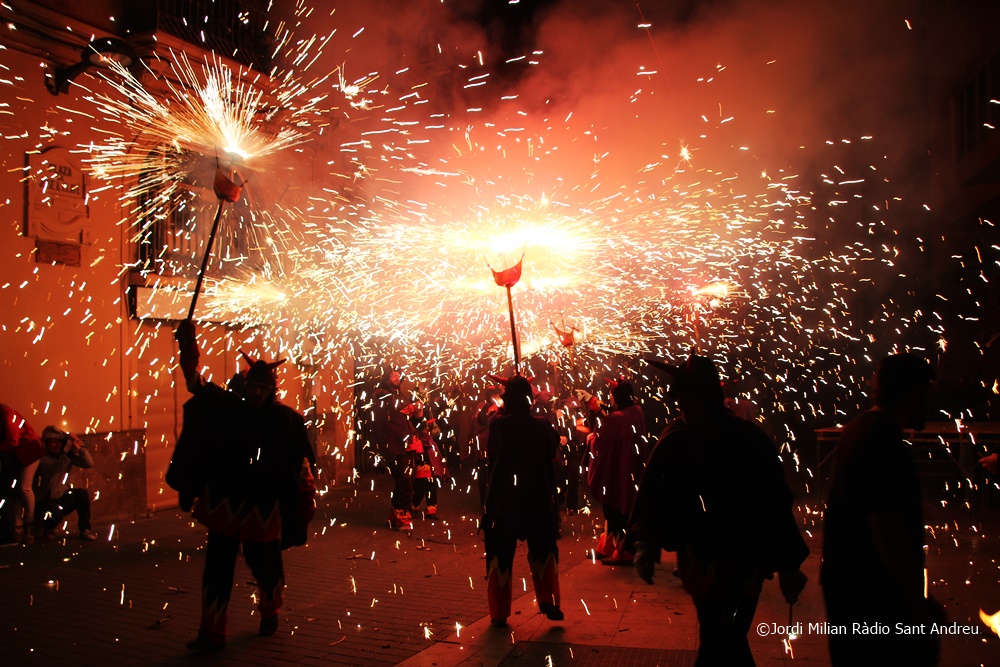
<point x="57" y="211"/>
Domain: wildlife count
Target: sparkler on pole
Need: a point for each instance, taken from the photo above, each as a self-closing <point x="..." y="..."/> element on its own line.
<point x="507" y="279"/>
<point x="227" y="191"/>
<point x="703" y="302"/>
<point x="568" y="340"/>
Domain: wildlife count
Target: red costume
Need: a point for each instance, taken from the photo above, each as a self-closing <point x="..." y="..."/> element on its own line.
<point x="20" y="451"/>
<point x="618" y="451"/>
<point x="391" y="433"/>
<point x="427" y="469"/>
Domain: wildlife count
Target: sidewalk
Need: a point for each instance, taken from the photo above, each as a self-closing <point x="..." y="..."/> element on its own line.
<point x="360" y="594"/>
<point x="614" y="618"/>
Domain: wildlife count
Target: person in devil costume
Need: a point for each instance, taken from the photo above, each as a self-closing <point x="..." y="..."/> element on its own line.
<point x="428" y="467"/>
<point x="249" y="453"/>
<point x="714" y="491"/>
<point x="392" y="432"/>
<point x="521" y="503"/>
<point x="619" y="449"/>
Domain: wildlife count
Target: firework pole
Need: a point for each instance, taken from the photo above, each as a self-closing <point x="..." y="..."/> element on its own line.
<point x="568" y="340"/>
<point x="227" y="191"/>
<point x="513" y="332"/>
<point x="507" y="279"/>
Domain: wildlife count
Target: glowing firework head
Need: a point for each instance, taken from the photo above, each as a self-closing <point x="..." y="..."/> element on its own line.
<point x="509" y="276"/>
<point x="225" y="188"/>
<point x="558" y="250"/>
<point x="209" y="109"/>
<point x="992" y="621"/>
<point x="233" y="294"/>
<point x="566" y="338"/>
<point x="352" y="89"/>
<point x="714" y="294"/>
<point x="232" y="112"/>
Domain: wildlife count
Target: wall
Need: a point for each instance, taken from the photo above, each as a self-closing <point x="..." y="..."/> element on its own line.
<point x="71" y="355"/>
<point x="117" y="482"/>
<point x="64" y="329"/>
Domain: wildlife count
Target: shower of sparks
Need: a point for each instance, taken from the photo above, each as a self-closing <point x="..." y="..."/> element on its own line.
<point x="695" y="245"/>
<point x="693" y="249"/>
<point x="208" y="111"/>
<point x="792" y="281"/>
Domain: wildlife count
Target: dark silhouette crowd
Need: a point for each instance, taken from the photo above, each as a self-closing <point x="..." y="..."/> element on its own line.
<point x="711" y="489"/>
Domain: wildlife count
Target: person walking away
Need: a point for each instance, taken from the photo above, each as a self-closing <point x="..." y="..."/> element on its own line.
<point x="521" y="503"/>
<point x="252" y="453"/>
<point x="427" y="468"/>
<point x="486" y="409"/>
<point x="619" y="449"/>
<point x="873" y="529"/>
<point x="714" y="491"/>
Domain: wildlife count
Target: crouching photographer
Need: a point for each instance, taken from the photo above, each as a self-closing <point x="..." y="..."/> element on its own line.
<point x="54" y="498"/>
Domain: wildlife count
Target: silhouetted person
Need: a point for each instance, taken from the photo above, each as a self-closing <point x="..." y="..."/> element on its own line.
<point x="20" y="451"/>
<point x="392" y="432"/>
<point x="249" y="456"/>
<point x="619" y="450"/>
<point x="873" y="546"/>
<point x="714" y="491"/>
<point x="521" y="503"/>
<point x="573" y="438"/>
<point x="54" y="498"/>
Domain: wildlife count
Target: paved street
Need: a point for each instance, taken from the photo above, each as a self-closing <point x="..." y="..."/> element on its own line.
<point x="360" y="594"/>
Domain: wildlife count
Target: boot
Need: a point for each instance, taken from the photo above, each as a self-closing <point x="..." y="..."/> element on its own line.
<point x="268" y="625"/>
<point x="545" y="577"/>
<point x="432" y="512"/>
<point x="498" y="594"/>
<point x="400" y="519"/>
<point x="621" y="555"/>
<point x="605" y="546"/>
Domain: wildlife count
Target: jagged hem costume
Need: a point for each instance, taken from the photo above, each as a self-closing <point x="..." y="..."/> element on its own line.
<point x="521" y="505"/>
<point x="719" y="498"/>
<point x="248" y="461"/>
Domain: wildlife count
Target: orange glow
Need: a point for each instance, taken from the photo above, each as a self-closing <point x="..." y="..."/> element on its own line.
<point x="992" y="622"/>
